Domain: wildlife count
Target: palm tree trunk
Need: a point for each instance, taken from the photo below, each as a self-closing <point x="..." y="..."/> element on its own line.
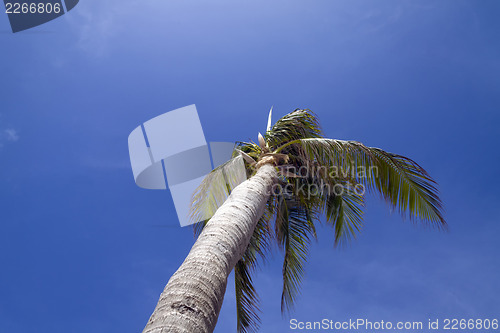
<point x="193" y="297"/>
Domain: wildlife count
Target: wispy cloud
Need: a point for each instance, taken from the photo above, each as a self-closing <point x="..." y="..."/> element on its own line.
<point x="11" y="135"/>
<point x="98" y="24"/>
<point x="8" y="135"/>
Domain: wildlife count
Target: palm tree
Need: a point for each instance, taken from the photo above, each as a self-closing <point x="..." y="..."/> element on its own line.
<point x="296" y="178"/>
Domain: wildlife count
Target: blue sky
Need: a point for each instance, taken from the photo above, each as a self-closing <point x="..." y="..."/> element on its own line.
<point x="83" y="249"/>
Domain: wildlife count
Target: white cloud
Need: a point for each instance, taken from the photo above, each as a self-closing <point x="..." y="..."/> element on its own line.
<point x="11" y="135"/>
<point x="8" y="135"/>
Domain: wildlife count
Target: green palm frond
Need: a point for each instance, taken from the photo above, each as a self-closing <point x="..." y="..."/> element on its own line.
<point x="294" y="228"/>
<point x="344" y="211"/>
<point x="247" y="312"/>
<point x="247" y="299"/>
<point x="298" y="124"/>
<point x="408" y="187"/>
<point x="401" y="181"/>
<point x="249" y="148"/>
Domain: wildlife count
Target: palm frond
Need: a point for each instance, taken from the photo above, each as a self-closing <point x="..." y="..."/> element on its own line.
<point x="326" y="194"/>
<point x="298" y="124"/>
<point x="294" y="229"/>
<point x="248" y="319"/>
<point x="344" y="211"/>
<point x="408" y="187"/>
<point x="404" y="184"/>
<point x="247" y="299"/>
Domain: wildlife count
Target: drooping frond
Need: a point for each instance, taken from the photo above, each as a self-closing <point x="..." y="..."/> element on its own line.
<point x="408" y="187"/>
<point x="294" y="229"/>
<point x="298" y="124"/>
<point x="338" y="199"/>
<point x="402" y="182"/>
<point x="247" y="299"/>
<point x="248" y="319"/>
<point x="344" y="211"/>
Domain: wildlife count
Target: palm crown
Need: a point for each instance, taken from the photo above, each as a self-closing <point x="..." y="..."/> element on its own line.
<point x="319" y="179"/>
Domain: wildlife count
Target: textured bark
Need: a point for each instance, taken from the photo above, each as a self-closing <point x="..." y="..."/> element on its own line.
<point x="193" y="297"/>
